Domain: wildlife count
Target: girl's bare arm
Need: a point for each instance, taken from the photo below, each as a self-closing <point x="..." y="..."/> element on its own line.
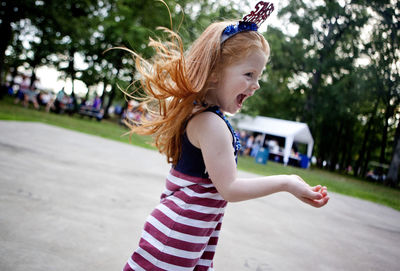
<point x="209" y="132"/>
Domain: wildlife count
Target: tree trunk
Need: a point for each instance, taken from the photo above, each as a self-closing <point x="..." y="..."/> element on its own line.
<point x="103" y="95"/>
<point x="360" y="159"/>
<point x="388" y="114"/>
<point x="364" y="168"/>
<point x="393" y="173"/>
<point x="33" y="77"/>
<point x="309" y="108"/>
<point x="14" y="74"/>
<point x="111" y="95"/>
<point x="361" y="154"/>
<point x="346" y="152"/>
<point x="6" y="35"/>
<point x="334" y="150"/>
<point x="71" y="72"/>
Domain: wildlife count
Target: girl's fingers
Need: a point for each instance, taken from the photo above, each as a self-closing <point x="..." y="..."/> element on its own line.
<point x="324" y="201"/>
<point x="316" y="188"/>
<point x="313" y="203"/>
<point x="316" y="203"/>
<point x="314" y="195"/>
<point x="321" y="189"/>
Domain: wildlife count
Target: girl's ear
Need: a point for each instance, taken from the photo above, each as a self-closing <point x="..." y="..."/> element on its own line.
<point x="213" y="78"/>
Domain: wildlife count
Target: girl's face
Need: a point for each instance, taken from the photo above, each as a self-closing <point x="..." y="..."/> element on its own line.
<point x="238" y="81"/>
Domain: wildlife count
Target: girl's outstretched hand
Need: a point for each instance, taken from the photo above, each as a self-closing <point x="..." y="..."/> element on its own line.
<point x="316" y="196"/>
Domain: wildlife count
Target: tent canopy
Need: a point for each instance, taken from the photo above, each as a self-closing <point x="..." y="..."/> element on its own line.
<point x="292" y="131"/>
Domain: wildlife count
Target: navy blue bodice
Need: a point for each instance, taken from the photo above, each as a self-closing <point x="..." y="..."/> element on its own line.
<point x="191" y="161"/>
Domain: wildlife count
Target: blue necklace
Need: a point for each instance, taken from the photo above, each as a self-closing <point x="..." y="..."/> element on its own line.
<point x="236" y="138"/>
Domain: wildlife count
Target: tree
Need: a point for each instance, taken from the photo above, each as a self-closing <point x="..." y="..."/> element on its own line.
<point x="322" y="54"/>
<point x="12" y="12"/>
<point x="74" y="28"/>
<point x="384" y="52"/>
<point x="394" y="168"/>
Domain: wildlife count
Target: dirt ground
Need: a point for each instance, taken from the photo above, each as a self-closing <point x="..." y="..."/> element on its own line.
<point x="71" y="201"/>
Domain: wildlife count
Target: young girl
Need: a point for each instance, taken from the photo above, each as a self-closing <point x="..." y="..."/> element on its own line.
<point x="191" y="92"/>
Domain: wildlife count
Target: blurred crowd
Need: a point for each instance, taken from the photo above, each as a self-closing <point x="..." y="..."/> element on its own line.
<point x="29" y="93"/>
<point x="252" y="143"/>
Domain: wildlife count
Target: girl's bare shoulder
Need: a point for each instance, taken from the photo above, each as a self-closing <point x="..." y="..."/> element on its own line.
<point x="205" y="124"/>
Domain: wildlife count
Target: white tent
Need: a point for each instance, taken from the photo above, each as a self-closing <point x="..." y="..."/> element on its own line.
<point x="292" y="131"/>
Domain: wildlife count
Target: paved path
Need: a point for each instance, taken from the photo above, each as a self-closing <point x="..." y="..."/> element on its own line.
<point x="71" y="202"/>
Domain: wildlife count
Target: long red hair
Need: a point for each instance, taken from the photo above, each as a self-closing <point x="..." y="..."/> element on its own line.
<point x="176" y="82"/>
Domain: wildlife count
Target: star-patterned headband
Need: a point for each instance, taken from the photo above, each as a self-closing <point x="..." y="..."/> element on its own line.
<point x="250" y="22"/>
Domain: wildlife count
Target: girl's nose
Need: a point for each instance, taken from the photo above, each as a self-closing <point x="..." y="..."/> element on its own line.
<point x="256" y="86"/>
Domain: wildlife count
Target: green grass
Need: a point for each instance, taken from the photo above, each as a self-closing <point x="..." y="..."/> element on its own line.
<point x="339" y="183"/>
<point x="106" y="128"/>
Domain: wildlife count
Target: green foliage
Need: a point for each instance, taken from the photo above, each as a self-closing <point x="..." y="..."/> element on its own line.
<point x="315" y="76"/>
<point x="11" y="12"/>
<point x="338" y="72"/>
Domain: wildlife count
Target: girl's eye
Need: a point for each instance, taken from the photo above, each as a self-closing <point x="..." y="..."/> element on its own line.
<point x="249" y="74"/>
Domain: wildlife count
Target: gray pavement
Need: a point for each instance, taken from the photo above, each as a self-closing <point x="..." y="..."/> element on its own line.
<point x="71" y="201"/>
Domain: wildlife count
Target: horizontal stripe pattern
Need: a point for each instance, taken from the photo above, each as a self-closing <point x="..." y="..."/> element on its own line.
<point x="195" y="207"/>
<point x="198" y="213"/>
<point x="182" y="231"/>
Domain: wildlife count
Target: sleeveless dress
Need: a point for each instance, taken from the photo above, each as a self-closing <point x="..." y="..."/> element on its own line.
<point x="181" y="233"/>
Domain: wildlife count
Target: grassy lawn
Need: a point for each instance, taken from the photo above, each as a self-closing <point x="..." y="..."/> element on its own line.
<point x="110" y="129"/>
<point x="106" y="128"/>
<point x="335" y="182"/>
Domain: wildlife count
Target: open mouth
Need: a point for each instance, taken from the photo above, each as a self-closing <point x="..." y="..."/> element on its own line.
<point x="240" y="99"/>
